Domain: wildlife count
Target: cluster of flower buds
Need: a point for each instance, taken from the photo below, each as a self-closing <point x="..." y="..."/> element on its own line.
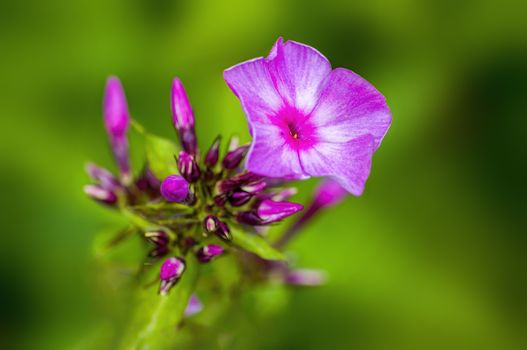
<point x="196" y="207"/>
<point x="107" y="188"/>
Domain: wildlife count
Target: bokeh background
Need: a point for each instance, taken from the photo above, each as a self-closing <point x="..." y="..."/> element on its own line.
<point x="432" y="256"/>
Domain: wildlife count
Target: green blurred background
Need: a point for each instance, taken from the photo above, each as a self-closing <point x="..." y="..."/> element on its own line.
<point x="432" y="256"/>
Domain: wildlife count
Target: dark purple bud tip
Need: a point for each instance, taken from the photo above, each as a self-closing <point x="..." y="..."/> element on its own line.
<point x="159" y="238"/>
<point x="220" y="200"/>
<point x="211" y="158"/>
<point x="224" y="232"/>
<point x="239" y="198"/>
<point x="234" y="158"/>
<point x="158" y="251"/>
<point x="175" y="189"/>
<point x="188" y="168"/>
<point x="209" y="252"/>
<point x="249" y="218"/>
<point x="171" y="270"/>
<point x="270" y="211"/>
<point x="100" y="194"/>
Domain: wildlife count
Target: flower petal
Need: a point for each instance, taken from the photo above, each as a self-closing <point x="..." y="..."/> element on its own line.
<point x="252" y="83"/>
<point x="350" y="107"/>
<point x="270" y="155"/>
<point x="299" y="73"/>
<point x="348" y="163"/>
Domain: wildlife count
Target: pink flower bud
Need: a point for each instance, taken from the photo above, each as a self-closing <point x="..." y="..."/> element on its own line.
<point x="183" y="117"/>
<point x="270" y="211"/>
<point x="175" y="189"/>
<point x="171" y="270"/>
<point x="116" y="121"/>
<point x="209" y="252"/>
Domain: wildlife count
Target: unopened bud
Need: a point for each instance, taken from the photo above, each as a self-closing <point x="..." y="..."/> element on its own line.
<point x="171" y="270"/>
<point x="211" y="224"/>
<point x="249" y="218"/>
<point x="254" y="187"/>
<point x="270" y="211"/>
<point x="103" y="177"/>
<point x="116" y="121"/>
<point x="159" y="238"/>
<point x="239" y="198"/>
<point x="188" y="168"/>
<point x="183" y="117"/>
<point x="234" y="158"/>
<point x="175" y="189"/>
<point x="220" y="199"/>
<point x="211" y="158"/>
<point x="209" y="252"/>
<point x="100" y="194"/>
<point x="224" y="232"/>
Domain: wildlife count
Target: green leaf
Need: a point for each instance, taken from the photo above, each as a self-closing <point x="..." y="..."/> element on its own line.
<point x="255" y="244"/>
<point x="155" y="319"/>
<point x="160" y="153"/>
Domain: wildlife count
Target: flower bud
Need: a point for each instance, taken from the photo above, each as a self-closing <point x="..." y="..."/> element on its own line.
<point x="254" y="187"/>
<point x="100" y="194"/>
<point x="208" y="252"/>
<point x="224" y="232"/>
<point x="171" y="270"/>
<point x="116" y="121"/>
<point x="194" y="306"/>
<point x="103" y="177"/>
<point x="249" y="218"/>
<point x="270" y="211"/>
<point x="158" y="251"/>
<point x="305" y="277"/>
<point x="175" y="189"/>
<point x="234" y="158"/>
<point x="188" y="168"/>
<point x="159" y="238"/>
<point x="183" y="117"/>
<point x="211" y="224"/>
<point x="239" y="198"/>
<point x="213" y="154"/>
<point x="220" y="199"/>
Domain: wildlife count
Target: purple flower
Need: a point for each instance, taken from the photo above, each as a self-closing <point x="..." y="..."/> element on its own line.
<point x="194" y="306"/>
<point x="209" y="252"/>
<point x="183" y="117"/>
<point x="116" y="121"/>
<point x="307" y="119"/>
<point x="175" y="189"/>
<point x="170" y="272"/>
